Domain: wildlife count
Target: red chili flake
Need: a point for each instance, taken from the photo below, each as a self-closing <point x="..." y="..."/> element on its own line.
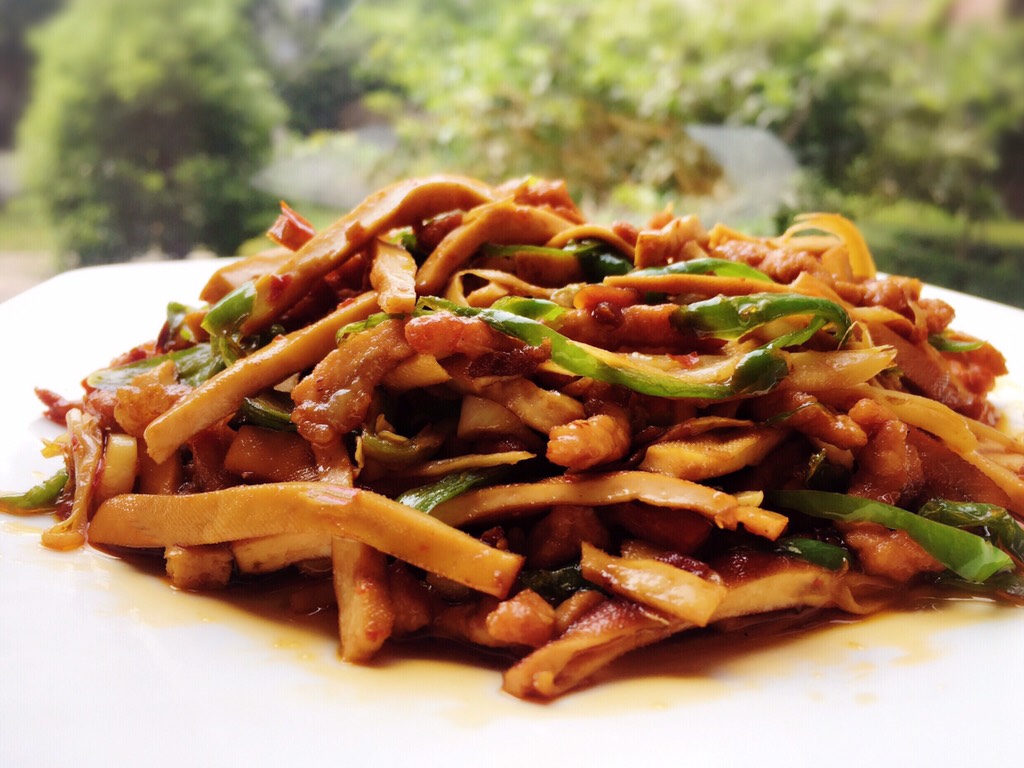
<point x="291" y="230"/>
<point x="278" y="285"/>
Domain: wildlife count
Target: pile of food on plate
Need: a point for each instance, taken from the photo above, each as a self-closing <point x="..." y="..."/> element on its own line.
<point x="472" y="414"/>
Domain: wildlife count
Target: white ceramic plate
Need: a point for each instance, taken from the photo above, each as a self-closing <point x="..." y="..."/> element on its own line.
<point x="101" y="664"/>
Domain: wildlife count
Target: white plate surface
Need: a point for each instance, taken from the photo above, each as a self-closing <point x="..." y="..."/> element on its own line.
<point x="101" y="664"/>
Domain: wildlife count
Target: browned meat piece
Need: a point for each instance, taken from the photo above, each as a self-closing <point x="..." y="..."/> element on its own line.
<point x="892" y="554"/>
<point x="924" y="369"/>
<point x="585" y="443"/>
<point x="334" y="398"/>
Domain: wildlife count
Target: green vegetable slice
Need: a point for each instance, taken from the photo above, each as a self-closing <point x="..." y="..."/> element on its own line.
<point x="969" y="556"/>
<point x="227" y="315"/>
<point x="596" y="258"/>
<point x="194" y="365"/>
<point x="175" y="330"/>
<point x="970" y="514"/>
<point x="944" y="343"/>
<point x="39" y="497"/>
<point x="755" y="373"/>
<point x="398" y="451"/>
<point x="830" y="556"/>
<point x="599" y="260"/>
<point x="270" y="410"/>
<point x="556" y="585"/>
<point x="364" y="325"/>
<point x="706" y="266"/>
<point x="730" y="317"/>
<point x="426" y="497"/>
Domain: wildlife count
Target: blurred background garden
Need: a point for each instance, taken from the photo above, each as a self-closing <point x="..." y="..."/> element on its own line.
<point x="164" y="128"/>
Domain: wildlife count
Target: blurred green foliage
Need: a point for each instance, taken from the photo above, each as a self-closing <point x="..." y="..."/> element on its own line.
<point x="150" y="117"/>
<point x="147" y="122"/>
<point x="311" y="59"/>
<point x="16" y="17"/>
<point x="883" y="99"/>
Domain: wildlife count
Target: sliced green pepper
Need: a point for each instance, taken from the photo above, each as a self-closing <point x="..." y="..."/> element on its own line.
<point x="830" y="556"/>
<point x="756" y="372"/>
<point x="364" y="325"/>
<point x="175" y="331"/>
<point x="40" y="497"/>
<point x="730" y="317"/>
<point x="971" y="514"/>
<point x="227" y="315"/>
<point x="194" y="365"/>
<point x="597" y="259"/>
<point x="556" y="585"/>
<point x="945" y="343"/>
<point x="270" y="410"/>
<point x="705" y="266"/>
<point x="968" y="556"/>
<point x="426" y="497"/>
<point x="401" y="451"/>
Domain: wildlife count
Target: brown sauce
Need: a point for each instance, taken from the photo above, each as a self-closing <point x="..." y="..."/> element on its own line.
<point x="812" y="650"/>
<point x="686" y="670"/>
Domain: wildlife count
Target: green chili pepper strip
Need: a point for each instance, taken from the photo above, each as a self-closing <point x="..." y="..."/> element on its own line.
<point x="969" y="514"/>
<point x="268" y="410"/>
<point x="39" y="497"/>
<point x="175" y="329"/>
<point x="364" y="325"/>
<point x="426" y="497"/>
<point x="599" y="260"/>
<point x="821" y="553"/>
<point x="944" y="343"/>
<point x="556" y="585"/>
<point x="756" y="372"/>
<point x="575" y="357"/>
<point x="730" y="317"/>
<point x="970" y="557"/>
<point x="194" y="365"/>
<point x="596" y="258"/>
<point x="705" y="266"/>
<point x="228" y="314"/>
<point x="403" y="451"/>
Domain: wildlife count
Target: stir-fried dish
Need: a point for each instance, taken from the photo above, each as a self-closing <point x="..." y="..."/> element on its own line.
<point x="466" y="412"/>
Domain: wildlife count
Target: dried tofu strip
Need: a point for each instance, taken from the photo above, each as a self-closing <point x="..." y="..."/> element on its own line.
<point x="440" y="467"/>
<point x="238" y="272"/>
<point x="221" y="396"/>
<point x="826" y="371"/>
<point x="361" y="586"/>
<point x="669" y="590"/>
<point x="538" y="408"/>
<point x="498" y="285"/>
<point x="496" y="502"/>
<point x="711" y="454"/>
<point x="500" y="223"/>
<point x="862" y="264"/>
<point x="203" y="567"/>
<point x="592" y="232"/>
<point x="416" y="372"/>
<point x="246" y="512"/>
<point x="267" y="554"/>
<point x="87" y="449"/>
<point x="615" y="627"/>
<point x="702" y="285"/>
<point x="393" y="276"/>
<point x="399" y="205"/>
